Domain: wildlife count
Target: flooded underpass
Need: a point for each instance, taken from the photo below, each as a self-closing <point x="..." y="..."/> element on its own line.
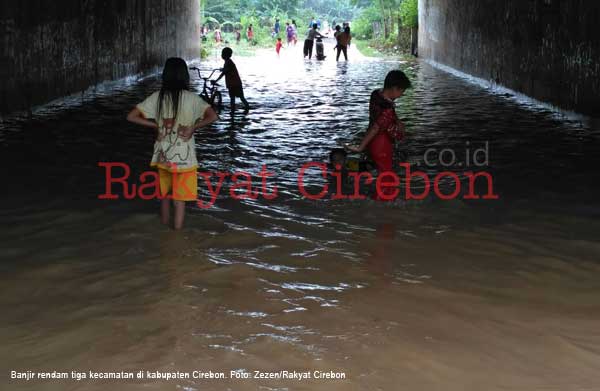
<point x="498" y="294"/>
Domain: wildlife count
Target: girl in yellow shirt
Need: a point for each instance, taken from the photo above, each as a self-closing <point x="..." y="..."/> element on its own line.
<point x="175" y="113"/>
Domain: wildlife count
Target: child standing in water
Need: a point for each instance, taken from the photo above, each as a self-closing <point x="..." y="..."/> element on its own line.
<point x="342" y="38"/>
<point x="176" y="113"/>
<point x="232" y="80"/>
<point x="295" y="27"/>
<point x="384" y="126"/>
<point x="278" y="46"/>
<point x="289" y="31"/>
<point x="250" y="33"/>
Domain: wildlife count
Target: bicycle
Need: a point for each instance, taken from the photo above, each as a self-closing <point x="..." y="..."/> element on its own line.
<point x="210" y="93"/>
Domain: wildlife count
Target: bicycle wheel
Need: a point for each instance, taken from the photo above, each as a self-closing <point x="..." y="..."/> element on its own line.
<point x="205" y="98"/>
<point x="218" y="100"/>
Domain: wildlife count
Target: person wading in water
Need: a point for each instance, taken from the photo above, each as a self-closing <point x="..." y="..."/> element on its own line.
<point x="309" y="42"/>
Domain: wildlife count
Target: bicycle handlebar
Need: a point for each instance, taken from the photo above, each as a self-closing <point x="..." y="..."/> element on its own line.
<point x="204" y="78"/>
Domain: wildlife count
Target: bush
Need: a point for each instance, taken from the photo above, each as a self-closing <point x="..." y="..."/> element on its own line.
<point x="362" y="27"/>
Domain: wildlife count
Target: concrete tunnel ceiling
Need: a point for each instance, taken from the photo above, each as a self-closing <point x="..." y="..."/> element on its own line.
<point x="547" y="49"/>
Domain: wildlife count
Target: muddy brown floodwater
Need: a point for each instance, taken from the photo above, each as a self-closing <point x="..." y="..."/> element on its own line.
<point x="419" y="295"/>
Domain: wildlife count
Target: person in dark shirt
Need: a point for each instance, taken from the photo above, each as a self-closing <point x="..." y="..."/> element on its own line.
<point x="277" y="27"/>
<point x="342" y="38"/>
<point x="232" y="79"/>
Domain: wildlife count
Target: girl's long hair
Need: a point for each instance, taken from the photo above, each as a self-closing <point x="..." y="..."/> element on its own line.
<point x="175" y="78"/>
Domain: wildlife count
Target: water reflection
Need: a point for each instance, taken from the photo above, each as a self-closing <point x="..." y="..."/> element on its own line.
<point x="380" y="259"/>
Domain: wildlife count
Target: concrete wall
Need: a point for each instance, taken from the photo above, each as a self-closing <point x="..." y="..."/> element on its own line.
<point x="547" y="49"/>
<point x="51" y="49"/>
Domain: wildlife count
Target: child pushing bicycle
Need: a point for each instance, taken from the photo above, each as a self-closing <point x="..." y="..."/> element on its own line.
<point x="232" y="79"/>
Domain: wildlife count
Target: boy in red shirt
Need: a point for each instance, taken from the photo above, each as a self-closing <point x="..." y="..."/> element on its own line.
<point x="384" y="126"/>
<point x="278" y="46"/>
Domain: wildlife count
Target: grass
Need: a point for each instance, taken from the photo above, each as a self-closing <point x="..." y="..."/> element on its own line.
<point x="365" y="48"/>
<point x="384" y="48"/>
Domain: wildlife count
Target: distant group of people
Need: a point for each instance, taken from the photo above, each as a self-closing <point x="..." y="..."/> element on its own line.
<point x="218" y="35"/>
<point x="291" y="34"/>
<point x="342" y="36"/>
<point x="291" y="31"/>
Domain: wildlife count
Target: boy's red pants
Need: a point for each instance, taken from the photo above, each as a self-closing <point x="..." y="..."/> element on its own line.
<point x="381" y="149"/>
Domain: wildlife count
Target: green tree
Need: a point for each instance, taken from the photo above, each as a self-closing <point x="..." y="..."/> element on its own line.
<point x="409" y="13"/>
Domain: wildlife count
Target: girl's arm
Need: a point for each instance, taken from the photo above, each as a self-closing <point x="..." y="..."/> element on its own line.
<point x="186" y="132"/>
<point x="210" y="116"/>
<point x="137" y="117"/>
